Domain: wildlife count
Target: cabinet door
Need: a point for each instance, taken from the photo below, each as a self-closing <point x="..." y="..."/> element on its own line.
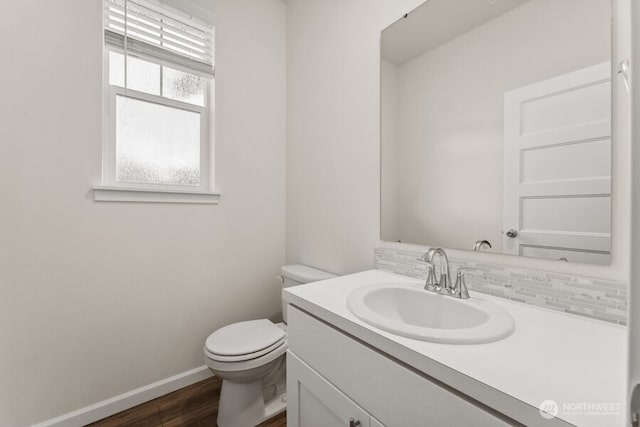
<point x="314" y="402"/>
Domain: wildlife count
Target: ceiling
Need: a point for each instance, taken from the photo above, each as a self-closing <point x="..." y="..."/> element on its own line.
<point x="436" y="22"/>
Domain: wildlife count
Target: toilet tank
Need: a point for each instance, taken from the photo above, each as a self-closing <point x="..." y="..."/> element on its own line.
<point x="298" y="274"/>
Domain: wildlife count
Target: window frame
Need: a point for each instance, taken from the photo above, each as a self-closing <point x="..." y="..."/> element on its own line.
<point x="109" y="146"/>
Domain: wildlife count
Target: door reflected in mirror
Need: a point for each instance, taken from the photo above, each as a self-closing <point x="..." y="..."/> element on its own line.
<point x="496" y="128"/>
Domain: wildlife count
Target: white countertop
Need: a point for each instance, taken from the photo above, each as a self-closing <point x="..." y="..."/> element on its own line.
<point x="550" y="356"/>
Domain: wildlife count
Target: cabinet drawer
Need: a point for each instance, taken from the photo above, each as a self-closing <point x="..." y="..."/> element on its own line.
<point x="389" y="391"/>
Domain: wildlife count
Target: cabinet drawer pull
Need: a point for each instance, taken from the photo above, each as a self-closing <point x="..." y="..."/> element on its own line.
<point x="354" y="423"/>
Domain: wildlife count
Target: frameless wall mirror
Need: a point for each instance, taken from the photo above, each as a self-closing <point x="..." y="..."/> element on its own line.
<point x="496" y="128"/>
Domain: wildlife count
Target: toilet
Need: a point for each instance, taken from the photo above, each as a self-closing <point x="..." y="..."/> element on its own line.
<point x="249" y="357"/>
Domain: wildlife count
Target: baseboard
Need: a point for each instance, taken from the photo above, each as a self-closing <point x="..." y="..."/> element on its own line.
<point x="106" y="408"/>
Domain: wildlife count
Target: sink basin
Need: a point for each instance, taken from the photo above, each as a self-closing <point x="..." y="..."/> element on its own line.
<point x="408" y="310"/>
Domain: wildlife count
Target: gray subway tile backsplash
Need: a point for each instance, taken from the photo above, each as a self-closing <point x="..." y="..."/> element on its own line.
<point x="582" y="296"/>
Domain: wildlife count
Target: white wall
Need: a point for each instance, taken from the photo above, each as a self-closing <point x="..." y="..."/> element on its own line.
<point x="97" y="299"/>
<point x="333" y="139"/>
<point x="333" y="161"/>
<point x="451" y="115"/>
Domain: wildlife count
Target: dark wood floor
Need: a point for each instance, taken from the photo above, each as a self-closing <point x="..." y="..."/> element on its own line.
<point x="193" y="406"/>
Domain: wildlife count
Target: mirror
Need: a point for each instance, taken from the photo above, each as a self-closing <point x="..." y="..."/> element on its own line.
<point x="496" y="128"/>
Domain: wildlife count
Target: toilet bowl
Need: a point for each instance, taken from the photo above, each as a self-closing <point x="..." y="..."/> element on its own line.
<point x="249" y="357"/>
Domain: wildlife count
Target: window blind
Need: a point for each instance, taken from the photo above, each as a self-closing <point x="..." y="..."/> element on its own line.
<point x="150" y="30"/>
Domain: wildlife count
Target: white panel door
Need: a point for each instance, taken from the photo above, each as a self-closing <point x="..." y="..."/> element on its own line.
<point x="557" y="167"/>
<point x="313" y="402"/>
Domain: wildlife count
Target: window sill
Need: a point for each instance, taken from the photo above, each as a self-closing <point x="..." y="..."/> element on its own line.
<point x="152" y="195"/>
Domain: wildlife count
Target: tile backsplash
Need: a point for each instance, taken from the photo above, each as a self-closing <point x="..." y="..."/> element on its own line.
<point x="595" y="298"/>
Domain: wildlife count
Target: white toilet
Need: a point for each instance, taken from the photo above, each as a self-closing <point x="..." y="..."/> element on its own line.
<point x="250" y="358"/>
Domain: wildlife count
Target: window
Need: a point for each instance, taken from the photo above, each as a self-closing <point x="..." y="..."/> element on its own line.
<point x="158" y="86"/>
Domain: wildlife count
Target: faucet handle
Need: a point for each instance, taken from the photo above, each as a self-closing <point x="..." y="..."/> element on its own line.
<point x="460" y="289"/>
<point x="431" y="284"/>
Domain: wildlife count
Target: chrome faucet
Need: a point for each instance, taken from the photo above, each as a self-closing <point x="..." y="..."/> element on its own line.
<point x="443" y="284"/>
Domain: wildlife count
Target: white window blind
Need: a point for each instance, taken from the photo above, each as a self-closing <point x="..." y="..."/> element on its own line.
<point x="147" y="29"/>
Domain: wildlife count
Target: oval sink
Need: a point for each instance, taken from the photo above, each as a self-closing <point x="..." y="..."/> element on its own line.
<point x="408" y="310"/>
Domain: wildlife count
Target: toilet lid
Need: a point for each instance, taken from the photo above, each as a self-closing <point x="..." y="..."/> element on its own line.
<point x="251" y="356"/>
<point x="244" y="338"/>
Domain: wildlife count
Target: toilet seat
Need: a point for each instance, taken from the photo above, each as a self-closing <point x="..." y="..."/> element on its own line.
<point x="244" y="341"/>
<point x="244" y="338"/>
<point x="243" y="357"/>
<point x="245" y="365"/>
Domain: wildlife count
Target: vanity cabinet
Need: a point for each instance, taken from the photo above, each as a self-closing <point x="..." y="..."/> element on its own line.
<point x="313" y="402"/>
<point x="336" y="380"/>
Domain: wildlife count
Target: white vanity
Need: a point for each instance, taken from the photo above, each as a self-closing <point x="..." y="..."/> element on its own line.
<point x="344" y="372"/>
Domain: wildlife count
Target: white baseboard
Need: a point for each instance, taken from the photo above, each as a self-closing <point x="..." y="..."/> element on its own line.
<point x="106" y="408"/>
